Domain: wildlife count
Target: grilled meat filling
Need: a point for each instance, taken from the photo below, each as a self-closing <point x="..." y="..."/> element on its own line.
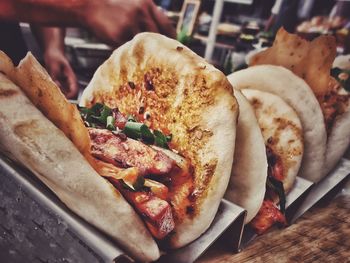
<point x="269" y="214"/>
<point x="127" y="152"/>
<point x="149" y="202"/>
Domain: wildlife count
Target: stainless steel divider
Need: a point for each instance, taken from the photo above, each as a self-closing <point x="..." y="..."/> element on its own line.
<point x="293" y="199"/>
<point x="304" y="195"/>
<point x="319" y="190"/>
<point x="229" y="218"/>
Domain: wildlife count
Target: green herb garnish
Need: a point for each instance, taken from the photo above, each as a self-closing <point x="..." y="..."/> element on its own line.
<point x="160" y="139"/>
<point x="101" y="116"/>
<point x="169" y="137"/>
<point x="277" y="187"/>
<point x="96" y="115"/>
<point x="133" y="129"/>
<point x="137" y="130"/>
<point x="131" y="118"/>
<point x="104" y="113"/>
<point x="146" y="134"/>
<point x="110" y="123"/>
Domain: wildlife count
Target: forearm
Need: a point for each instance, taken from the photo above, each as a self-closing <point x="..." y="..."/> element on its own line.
<point x="49" y="37"/>
<point x="45" y="12"/>
<point x="112" y="21"/>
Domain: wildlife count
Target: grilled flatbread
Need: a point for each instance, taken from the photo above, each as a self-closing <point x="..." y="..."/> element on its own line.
<point x="294" y="91"/>
<point x="173" y="90"/>
<point x="282" y="131"/>
<point x="28" y="137"/>
<point x="249" y="172"/>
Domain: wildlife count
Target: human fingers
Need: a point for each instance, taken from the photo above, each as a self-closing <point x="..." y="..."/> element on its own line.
<point x="71" y="84"/>
<point x="116" y="34"/>
<point x="164" y="25"/>
<point x="148" y="24"/>
<point x="115" y="22"/>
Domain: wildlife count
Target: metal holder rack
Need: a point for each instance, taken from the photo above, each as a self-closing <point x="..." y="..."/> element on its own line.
<point x="322" y="188"/>
<point x="293" y="200"/>
<point x="89" y="242"/>
<point x="229" y="218"/>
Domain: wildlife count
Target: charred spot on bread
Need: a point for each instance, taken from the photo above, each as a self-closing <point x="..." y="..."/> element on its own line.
<point x="25" y="130"/>
<point x="40" y="93"/>
<point x="190" y="209"/>
<point x="256" y="103"/>
<point x="148" y="82"/>
<point x="131" y="84"/>
<point x="5" y="93"/>
<point x="24" y="127"/>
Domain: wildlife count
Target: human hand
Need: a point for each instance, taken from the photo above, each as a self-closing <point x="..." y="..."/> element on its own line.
<point x="51" y="40"/>
<point x="60" y="70"/>
<point x="115" y="22"/>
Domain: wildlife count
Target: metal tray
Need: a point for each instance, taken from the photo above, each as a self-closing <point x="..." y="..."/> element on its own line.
<point x="36" y="227"/>
<point x="42" y="229"/>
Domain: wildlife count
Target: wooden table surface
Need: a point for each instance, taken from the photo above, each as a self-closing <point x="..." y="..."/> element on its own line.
<point x="322" y="234"/>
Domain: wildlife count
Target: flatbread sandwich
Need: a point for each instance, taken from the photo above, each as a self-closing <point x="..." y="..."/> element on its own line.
<point x="271" y="148"/>
<point x="300" y="73"/>
<point x="147" y="158"/>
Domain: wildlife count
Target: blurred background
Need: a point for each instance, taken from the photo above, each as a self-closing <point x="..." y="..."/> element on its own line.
<point x="226" y="32"/>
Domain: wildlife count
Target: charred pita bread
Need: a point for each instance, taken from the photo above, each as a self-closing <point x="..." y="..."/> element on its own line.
<point x="30" y="138"/>
<point x="249" y="172"/>
<point x="281" y="130"/>
<point x="294" y="91"/>
<point x="181" y="93"/>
